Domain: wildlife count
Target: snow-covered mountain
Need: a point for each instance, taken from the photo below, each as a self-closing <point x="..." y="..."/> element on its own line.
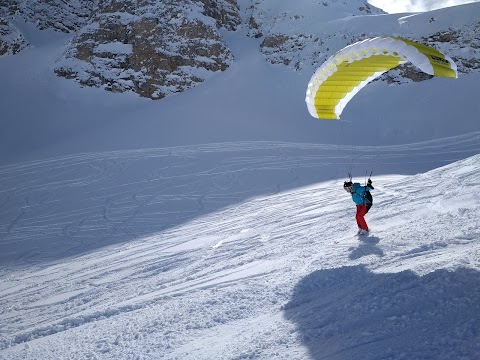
<point x="212" y="223"/>
<point x="161" y="48"/>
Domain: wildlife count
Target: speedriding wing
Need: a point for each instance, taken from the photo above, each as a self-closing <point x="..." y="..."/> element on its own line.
<point x="345" y="73"/>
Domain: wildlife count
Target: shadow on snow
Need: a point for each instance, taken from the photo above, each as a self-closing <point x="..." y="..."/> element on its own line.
<point x="351" y="313"/>
<point x="367" y="246"/>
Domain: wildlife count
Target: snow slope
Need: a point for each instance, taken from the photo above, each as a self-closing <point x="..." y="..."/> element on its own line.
<point x="275" y="276"/>
<point x="212" y="224"/>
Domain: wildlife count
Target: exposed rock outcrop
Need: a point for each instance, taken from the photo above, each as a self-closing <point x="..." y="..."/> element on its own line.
<point x="462" y="45"/>
<point x="11" y="39"/>
<point x="299" y="48"/>
<point x="60" y="15"/>
<point x="150" y="48"/>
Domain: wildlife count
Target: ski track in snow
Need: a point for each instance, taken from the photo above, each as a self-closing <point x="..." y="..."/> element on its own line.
<point x="156" y="253"/>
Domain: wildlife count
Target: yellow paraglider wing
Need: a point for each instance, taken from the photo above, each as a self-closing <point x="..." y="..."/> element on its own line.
<point x="345" y="73"/>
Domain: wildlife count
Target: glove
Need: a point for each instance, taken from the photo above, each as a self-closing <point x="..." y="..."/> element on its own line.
<point x="369" y="183"/>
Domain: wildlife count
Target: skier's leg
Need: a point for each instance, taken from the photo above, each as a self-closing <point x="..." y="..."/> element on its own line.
<point x="364" y="212"/>
<point x="357" y="217"/>
<point x="361" y="211"/>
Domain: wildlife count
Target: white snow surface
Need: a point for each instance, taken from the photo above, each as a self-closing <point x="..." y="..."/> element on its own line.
<point x="399" y="6"/>
<point x="213" y="224"/>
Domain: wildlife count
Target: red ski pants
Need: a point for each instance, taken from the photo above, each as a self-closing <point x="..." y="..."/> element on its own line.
<point x="361" y="211"/>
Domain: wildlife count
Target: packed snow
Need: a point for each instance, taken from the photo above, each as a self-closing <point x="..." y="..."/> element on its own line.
<point x="213" y="224"/>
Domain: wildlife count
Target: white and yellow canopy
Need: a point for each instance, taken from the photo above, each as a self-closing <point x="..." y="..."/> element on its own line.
<point x="345" y="73"/>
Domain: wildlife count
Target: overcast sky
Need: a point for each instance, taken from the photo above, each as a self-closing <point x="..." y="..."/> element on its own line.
<point x="399" y="6"/>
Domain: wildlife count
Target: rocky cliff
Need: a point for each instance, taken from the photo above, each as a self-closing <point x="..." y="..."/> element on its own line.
<point x="306" y="47"/>
<point x="60" y="15"/>
<point x="150" y="47"/>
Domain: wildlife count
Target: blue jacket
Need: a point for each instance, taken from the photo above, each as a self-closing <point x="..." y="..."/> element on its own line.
<point x="358" y="194"/>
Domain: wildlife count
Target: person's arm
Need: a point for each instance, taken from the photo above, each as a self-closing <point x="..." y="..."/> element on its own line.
<point x="369" y="185"/>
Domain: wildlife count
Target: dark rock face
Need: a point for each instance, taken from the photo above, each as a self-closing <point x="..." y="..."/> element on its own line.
<point x="11" y="39"/>
<point x="60" y="15"/>
<point x="150" y="48"/>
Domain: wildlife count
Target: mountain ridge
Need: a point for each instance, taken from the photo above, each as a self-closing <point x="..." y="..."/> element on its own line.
<point x="156" y="50"/>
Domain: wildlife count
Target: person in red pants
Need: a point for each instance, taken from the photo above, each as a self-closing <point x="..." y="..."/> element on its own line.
<point x="363" y="199"/>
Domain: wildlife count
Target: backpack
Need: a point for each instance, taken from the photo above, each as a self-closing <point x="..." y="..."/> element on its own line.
<point x="369" y="197"/>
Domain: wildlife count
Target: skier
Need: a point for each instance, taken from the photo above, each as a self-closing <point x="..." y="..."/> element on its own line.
<point x="362" y="197"/>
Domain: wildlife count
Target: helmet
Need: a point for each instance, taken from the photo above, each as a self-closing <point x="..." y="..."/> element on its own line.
<point x="348" y="186"/>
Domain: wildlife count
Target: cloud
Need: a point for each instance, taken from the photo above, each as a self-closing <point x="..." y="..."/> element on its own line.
<point x="400" y="6"/>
